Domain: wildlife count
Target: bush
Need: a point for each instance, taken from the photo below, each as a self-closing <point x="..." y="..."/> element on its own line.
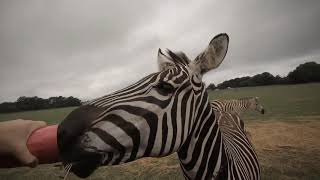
<point x="307" y="72"/>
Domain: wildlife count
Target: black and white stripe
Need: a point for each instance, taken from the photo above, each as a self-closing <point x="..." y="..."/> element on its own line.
<point x="162" y="116"/>
<point x="237" y="106"/>
<point x="241" y="159"/>
<point x="165" y="112"/>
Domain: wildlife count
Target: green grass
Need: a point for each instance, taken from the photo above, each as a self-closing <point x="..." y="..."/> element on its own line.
<point x="282" y="103"/>
<point x="285" y="102"/>
<point x="51" y="116"/>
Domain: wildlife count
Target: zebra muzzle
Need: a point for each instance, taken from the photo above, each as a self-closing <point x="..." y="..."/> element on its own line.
<point x="83" y="163"/>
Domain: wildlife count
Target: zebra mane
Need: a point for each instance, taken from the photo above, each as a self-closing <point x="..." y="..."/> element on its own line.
<point x="178" y="57"/>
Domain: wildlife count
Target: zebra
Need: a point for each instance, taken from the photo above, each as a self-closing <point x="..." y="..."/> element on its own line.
<point x="235" y="140"/>
<point x="165" y="112"/>
<point x="237" y="106"/>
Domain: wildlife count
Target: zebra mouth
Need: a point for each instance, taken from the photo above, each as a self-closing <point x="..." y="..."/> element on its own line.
<point x="262" y="111"/>
<point x="85" y="168"/>
<point x="87" y="164"/>
<point x="84" y="161"/>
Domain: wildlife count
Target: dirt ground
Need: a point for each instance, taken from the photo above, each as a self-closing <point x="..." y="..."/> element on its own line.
<point x="287" y="150"/>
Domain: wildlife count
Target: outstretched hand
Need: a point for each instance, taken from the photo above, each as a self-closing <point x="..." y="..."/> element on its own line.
<point x="13" y="139"/>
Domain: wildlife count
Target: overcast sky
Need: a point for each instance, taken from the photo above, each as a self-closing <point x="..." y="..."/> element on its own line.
<point x="90" y="48"/>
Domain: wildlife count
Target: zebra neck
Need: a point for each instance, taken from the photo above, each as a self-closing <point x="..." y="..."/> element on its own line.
<point x="245" y="104"/>
<point x="201" y="154"/>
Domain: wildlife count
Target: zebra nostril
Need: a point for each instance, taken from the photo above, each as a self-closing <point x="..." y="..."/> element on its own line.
<point x="262" y="111"/>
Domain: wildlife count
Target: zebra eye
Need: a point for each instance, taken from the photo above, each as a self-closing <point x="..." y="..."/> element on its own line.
<point x="165" y="88"/>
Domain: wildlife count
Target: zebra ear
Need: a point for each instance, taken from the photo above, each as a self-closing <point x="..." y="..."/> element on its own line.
<point x="163" y="61"/>
<point x="213" y="55"/>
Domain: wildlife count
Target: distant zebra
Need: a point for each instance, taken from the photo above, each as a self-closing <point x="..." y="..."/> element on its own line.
<point x="165" y="112"/>
<point x="237" y="106"/>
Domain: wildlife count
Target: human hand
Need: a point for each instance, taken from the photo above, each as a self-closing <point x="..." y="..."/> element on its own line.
<point x="14" y="137"/>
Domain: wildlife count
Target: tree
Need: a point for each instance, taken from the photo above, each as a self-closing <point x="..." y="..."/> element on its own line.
<point x="262" y="79"/>
<point x="71" y="101"/>
<point x="24" y="103"/>
<point x="307" y="72"/>
<point x="8" y="107"/>
<point x="211" y="87"/>
<point x="31" y="103"/>
<point x="237" y="82"/>
<point x="281" y="80"/>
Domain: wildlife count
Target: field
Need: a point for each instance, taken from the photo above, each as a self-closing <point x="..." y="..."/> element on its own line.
<point x="51" y="116"/>
<point x="286" y="138"/>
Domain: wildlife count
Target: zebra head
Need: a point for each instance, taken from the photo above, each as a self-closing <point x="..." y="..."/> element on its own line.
<point x="254" y="104"/>
<point x="150" y="118"/>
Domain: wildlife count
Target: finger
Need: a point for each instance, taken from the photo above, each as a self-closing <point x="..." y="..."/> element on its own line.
<point x="34" y="125"/>
<point x="25" y="157"/>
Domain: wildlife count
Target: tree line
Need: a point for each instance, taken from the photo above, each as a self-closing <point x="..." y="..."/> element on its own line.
<point x="35" y="103"/>
<point x="304" y="73"/>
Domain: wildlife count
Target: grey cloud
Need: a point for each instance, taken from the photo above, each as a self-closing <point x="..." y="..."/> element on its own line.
<point x="88" y="49"/>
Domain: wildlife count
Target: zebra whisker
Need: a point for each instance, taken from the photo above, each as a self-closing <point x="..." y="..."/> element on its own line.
<point x="66" y="171"/>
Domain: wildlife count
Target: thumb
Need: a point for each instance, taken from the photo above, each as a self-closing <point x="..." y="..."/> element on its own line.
<point x="23" y="154"/>
<point x="25" y="157"/>
<point x="34" y="125"/>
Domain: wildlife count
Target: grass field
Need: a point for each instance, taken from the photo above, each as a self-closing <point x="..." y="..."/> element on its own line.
<point x="286" y="138"/>
<point x="282" y="102"/>
<point x="51" y="116"/>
